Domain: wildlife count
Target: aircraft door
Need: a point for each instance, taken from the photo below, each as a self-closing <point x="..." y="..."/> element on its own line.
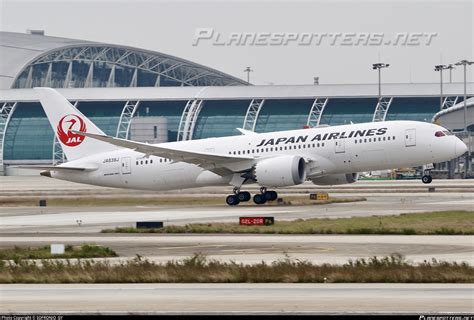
<point x="410" y="137"/>
<point x="126" y="167"/>
<point x="340" y="146"/>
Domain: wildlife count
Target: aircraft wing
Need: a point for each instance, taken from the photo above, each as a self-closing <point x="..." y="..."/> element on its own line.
<point x="57" y="168"/>
<point x="220" y="164"/>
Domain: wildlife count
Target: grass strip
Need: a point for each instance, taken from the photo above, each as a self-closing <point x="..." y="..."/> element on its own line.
<point x="426" y="223"/>
<point x="199" y="269"/>
<point x="70" y="252"/>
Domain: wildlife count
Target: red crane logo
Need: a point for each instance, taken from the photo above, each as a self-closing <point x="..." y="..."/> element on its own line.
<point x="68" y="123"/>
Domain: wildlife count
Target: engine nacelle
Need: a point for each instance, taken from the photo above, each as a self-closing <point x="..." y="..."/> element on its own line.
<point x="280" y="171"/>
<point x="334" y="179"/>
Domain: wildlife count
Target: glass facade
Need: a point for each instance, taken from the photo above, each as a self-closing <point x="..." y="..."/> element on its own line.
<point x="29" y="135"/>
<point x="417" y="109"/>
<point x="104" y="114"/>
<point x="171" y="110"/>
<point x="93" y="66"/>
<point x="220" y="118"/>
<point x="285" y="114"/>
<point x="340" y="111"/>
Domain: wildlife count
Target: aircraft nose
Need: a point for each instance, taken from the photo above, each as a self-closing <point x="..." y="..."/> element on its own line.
<point x="460" y="148"/>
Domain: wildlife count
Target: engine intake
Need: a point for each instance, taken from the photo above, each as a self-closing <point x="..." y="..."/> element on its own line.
<point x="280" y="171"/>
<point x="335" y="179"/>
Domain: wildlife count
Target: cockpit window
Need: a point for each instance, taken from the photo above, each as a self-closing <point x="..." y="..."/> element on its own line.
<point x="448" y="133"/>
<point x="439" y="134"/>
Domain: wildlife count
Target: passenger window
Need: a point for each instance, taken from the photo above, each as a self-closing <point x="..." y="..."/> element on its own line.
<point x="137" y="163"/>
<point x="388" y="138"/>
<point x="141" y="162"/>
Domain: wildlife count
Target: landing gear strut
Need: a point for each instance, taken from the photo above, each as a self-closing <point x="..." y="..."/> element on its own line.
<point x="426" y="178"/>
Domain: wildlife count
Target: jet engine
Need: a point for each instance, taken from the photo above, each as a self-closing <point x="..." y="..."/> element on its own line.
<point x="334" y="179"/>
<point x="280" y="171"/>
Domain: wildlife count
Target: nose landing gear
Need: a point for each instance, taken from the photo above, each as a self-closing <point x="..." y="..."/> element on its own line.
<point x="426" y="178"/>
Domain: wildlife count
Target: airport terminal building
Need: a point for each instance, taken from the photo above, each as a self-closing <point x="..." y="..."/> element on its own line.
<point x="149" y="96"/>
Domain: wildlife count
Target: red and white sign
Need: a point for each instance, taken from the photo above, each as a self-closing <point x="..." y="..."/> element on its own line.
<point x="256" y="221"/>
<point x="71" y="122"/>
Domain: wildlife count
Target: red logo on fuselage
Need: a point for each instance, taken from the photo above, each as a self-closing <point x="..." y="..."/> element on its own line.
<point x="71" y="122"/>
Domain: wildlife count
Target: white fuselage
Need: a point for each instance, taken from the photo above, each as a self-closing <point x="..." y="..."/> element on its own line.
<point x="332" y="150"/>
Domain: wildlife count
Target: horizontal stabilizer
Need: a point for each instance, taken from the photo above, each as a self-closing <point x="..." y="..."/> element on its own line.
<point x="247" y="132"/>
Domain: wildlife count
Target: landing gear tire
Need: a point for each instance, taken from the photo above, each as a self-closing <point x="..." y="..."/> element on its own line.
<point x="244" y="196"/>
<point x="271" y="195"/>
<point x="259" y="198"/>
<point x="426" y="179"/>
<point x="232" y="200"/>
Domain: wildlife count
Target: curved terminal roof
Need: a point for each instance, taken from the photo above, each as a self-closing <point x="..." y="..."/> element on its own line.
<point x="18" y="51"/>
<point x="453" y="117"/>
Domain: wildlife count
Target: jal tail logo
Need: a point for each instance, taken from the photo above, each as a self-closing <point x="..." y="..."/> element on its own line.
<point x="71" y="122"/>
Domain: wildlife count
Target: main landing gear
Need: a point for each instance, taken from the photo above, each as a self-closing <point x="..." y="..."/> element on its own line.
<point x="244" y="196"/>
<point x="265" y="196"/>
<point x="426" y="178"/>
<point x="237" y="197"/>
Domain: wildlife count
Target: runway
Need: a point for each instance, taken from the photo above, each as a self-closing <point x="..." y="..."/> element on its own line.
<point x="336" y="249"/>
<point x="238" y="298"/>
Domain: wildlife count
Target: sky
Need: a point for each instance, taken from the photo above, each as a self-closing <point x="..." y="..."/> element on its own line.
<point x="411" y="36"/>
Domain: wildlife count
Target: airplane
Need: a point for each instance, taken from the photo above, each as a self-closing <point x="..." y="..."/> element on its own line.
<point x="324" y="155"/>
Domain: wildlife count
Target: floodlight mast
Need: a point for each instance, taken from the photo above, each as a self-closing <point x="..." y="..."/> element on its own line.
<point x="466" y="63"/>
<point x="440" y="68"/>
<point x="248" y="70"/>
<point x="378" y="66"/>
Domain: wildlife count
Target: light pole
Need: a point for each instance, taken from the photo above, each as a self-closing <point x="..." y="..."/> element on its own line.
<point x="466" y="63"/>
<point x="248" y="70"/>
<point x="378" y="66"/>
<point x="440" y="68"/>
<point x="450" y="67"/>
